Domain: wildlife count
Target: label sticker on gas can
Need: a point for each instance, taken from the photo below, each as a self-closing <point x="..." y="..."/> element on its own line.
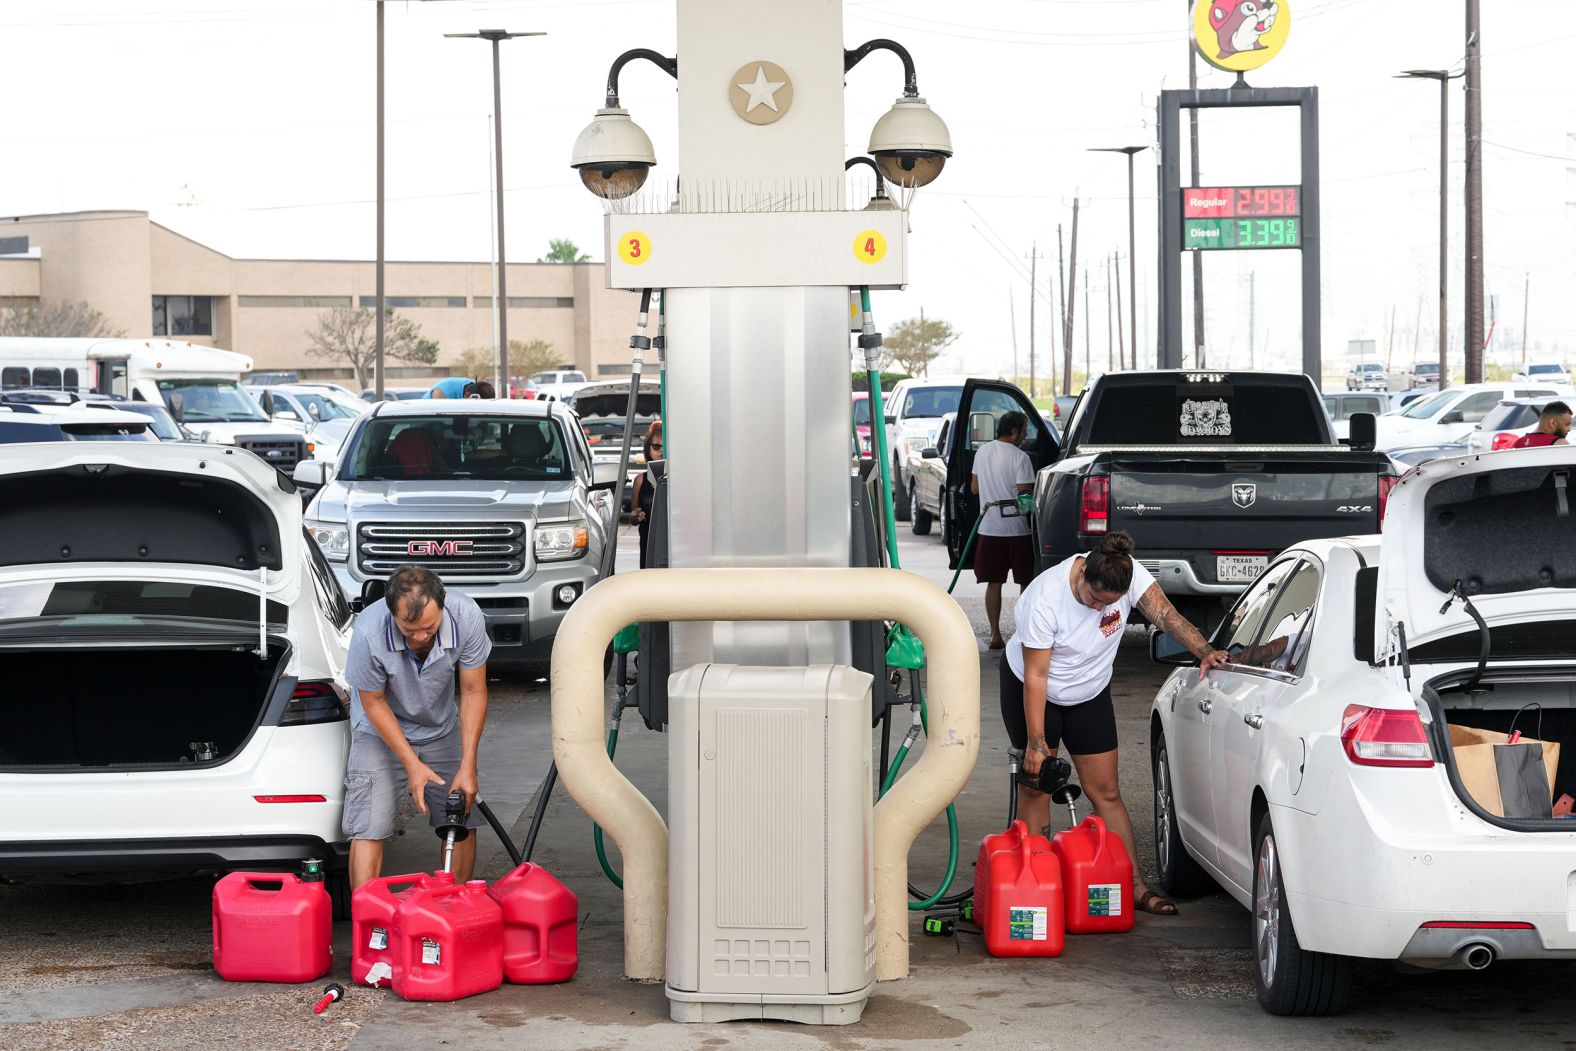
<point x="430" y="953"/>
<point x="1027" y="924"/>
<point x="1105" y="899"/>
<point x="379" y="939"/>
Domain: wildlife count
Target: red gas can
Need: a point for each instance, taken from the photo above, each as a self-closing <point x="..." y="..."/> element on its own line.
<point x="272" y="927"/>
<point x="372" y="910"/>
<point x="1018" y="894"/>
<point x="1098" y="876"/>
<point x="539" y="925"/>
<point x="451" y="942"/>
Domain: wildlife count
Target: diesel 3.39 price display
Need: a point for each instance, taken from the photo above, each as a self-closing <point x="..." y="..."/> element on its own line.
<point x="1241" y="217"/>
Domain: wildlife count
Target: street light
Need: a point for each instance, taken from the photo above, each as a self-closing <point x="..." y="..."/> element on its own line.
<point x="1444" y="76"/>
<point x="613" y="154"/>
<point x="501" y="303"/>
<point x="1132" y="241"/>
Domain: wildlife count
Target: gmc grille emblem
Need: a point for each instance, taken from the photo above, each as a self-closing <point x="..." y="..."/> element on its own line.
<point x="439" y="548"/>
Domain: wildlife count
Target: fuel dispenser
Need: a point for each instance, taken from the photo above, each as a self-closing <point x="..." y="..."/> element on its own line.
<point x="780" y="890"/>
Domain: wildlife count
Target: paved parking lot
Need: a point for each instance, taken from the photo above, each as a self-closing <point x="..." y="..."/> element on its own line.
<point x="129" y="967"/>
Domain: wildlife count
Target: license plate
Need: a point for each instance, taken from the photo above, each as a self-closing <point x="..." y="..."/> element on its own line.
<point x="1239" y="569"/>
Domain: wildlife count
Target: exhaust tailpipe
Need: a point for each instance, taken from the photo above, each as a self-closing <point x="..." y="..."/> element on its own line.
<point x="1475" y="957"/>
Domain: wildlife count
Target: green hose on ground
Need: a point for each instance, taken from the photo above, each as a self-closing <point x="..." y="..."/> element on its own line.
<point x="596" y="833"/>
<point x="952" y="813"/>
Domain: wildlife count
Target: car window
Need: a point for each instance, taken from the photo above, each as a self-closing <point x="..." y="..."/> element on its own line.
<point x="1506" y="417"/>
<point x="1534" y="393"/>
<point x="1478" y="405"/>
<point x="1330" y="408"/>
<point x="862" y="412"/>
<point x="1428" y="408"/>
<point x="1284" y="640"/>
<point x="455" y="446"/>
<point x="1247" y="616"/>
<point x="997" y="404"/>
<point x="1351" y="405"/>
<point x="931" y="402"/>
<point x="1171" y="413"/>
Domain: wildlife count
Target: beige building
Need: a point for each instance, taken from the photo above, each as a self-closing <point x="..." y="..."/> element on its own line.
<point x="148" y="280"/>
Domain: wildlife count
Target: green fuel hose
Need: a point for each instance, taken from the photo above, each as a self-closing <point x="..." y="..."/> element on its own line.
<point x="596" y="833"/>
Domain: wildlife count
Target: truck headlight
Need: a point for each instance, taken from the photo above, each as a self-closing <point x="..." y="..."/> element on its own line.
<point x="558" y="543"/>
<point x="332" y="539"/>
<point x="915" y="446"/>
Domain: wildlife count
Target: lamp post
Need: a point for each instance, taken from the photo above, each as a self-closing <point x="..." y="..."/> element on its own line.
<point x="1132" y="241"/>
<point x="501" y="301"/>
<point x="1444" y="76"/>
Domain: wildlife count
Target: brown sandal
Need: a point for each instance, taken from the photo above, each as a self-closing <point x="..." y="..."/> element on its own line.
<point x="1156" y="904"/>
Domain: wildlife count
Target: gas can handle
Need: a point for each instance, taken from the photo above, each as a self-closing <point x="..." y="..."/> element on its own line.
<point x="267" y="884"/>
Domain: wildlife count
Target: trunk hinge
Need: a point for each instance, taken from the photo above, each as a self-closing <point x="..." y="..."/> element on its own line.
<point x="1562" y="505"/>
<point x="262" y="613"/>
<point x="1399" y="654"/>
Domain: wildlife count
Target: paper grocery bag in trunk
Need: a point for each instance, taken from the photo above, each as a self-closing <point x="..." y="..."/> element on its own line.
<point x="1506" y="779"/>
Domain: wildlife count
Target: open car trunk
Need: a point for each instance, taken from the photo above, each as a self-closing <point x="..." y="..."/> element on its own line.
<point x="1541" y="704"/>
<point x="135" y="708"/>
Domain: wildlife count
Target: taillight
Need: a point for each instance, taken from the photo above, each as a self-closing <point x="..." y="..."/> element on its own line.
<point x="292" y="799"/>
<point x="1385" y="737"/>
<point x="1503" y="440"/>
<point x="314" y="702"/>
<point x="1386" y="483"/>
<point x="1094" y="513"/>
<point x="1479" y="925"/>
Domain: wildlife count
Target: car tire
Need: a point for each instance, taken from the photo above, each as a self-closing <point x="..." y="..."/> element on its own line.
<point x="919" y="518"/>
<point x="1180" y="875"/>
<point x="337" y="883"/>
<point x="1288" y="979"/>
<point x="900" y="504"/>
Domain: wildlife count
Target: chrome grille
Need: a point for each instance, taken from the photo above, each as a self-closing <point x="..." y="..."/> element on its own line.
<point x="283" y="453"/>
<point x="471" y="549"/>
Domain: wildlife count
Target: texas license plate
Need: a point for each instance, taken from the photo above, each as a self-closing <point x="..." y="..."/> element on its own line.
<point x="1239" y="569"/>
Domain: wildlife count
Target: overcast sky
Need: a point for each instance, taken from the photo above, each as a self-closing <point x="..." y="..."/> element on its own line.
<point x="248" y="125"/>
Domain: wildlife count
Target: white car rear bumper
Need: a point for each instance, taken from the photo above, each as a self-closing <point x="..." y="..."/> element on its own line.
<point x="1358" y="884"/>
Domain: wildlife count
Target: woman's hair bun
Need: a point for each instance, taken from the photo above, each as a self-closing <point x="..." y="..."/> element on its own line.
<point x="1116" y="544"/>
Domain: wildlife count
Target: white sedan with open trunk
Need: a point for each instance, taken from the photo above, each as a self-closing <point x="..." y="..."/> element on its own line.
<point x="1355" y="778"/>
<point x="174" y="647"/>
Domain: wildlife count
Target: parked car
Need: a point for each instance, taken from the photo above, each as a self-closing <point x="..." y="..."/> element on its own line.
<point x="184" y="667"/>
<point x="1423" y="374"/>
<point x="1062" y="409"/>
<point x="1402" y="398"/>
<point x="323" y="413"/>
<point x="864" y="438"/>
<point x="162" y="424"/>
<point x="1505" y="423"/>
<point x="1367" y="375"/>
<point x="268" y="379"/>
<point x="1321" y="781"/>
<point x="1543" y="372"/>
<point x="1448" y="416"/>
<point x="913" y="410"/>
<point x="396" y="394"/>
<point x="1407" y="457"/>
<point x="501" y="498"/>
<point x="21" y="424"/>
<point x="928" y="479"/>
<point x="556" y="385"/>
<point x="601" y="408"/>
<point x="1340" y="407"/>
<point x="1212" y="473"/>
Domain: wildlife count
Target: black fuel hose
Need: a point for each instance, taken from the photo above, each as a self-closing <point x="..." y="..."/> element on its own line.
<point x="497" y="826"/>
<point x="543" y="794"/>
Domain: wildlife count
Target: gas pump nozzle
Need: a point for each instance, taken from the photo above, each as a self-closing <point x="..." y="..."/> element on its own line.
<point x="1054" y="780"/>
<point x="453" y="829"/>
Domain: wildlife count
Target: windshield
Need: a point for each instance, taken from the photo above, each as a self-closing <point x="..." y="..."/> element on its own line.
<point x="211" y="401"/>
<point x="1428" y="408"/>
<point x="931" y="402"/>
<point x="1504" y="417"/>
<point x="862" y="412"/>
<point x="163" y="423"/>
<point x="1371" y="366"/>
<point x="325" y="407"/>
<point x="1425" y="366"/>
<point x="437" y="448"/>
<point x="125" y="601"/>
<point x="1545" y="370"/>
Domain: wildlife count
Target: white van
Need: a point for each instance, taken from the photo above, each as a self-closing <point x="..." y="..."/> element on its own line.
<point x="201" y="386"/>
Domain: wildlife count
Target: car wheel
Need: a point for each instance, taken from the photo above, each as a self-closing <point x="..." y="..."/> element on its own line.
<point x="1179" y="873"/>
<point x="900" y="505"/>
<point x="337" y="883"/>
<point x="1289" y="979"/>
<point x="919" y="518"/>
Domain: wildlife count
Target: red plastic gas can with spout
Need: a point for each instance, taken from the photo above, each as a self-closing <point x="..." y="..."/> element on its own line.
<point x="1018" y="900"/>
<point x="450" y="942"/>
<point x="272" y="927"/>
<point x="1098" y="876"/>
<point x="539" y="926"/>
<point x="373" y="907"/>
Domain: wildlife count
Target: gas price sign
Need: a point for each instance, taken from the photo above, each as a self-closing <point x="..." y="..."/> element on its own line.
<point x="1241" y="217"/>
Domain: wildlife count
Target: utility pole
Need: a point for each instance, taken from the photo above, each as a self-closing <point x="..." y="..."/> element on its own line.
<point x="1118" y="283"/>
<point x="1252" y="306"/>
<point x="1088" y="370"/>
<point x="1526" y="299"/>
<point x="1112" y="361"/>
<point x="1474" y="192"/>
<point x="1068" y="325"/>
<point x="1034" y="259"/>
<point x="1389" y="341"/>
<point x="1417" y="335"/>
<point x="1061" y="294"/>
<point x="1198" y="257"/>
<point x="1012" y="319"/>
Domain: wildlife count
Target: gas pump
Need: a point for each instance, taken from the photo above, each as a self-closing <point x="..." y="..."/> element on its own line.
<point x="780" y="891"/>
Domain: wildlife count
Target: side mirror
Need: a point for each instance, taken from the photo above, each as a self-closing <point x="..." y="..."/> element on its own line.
<point x="1363" y="429"/>
<point x="317" y="413"/>
<point x="371" y="593"/>
<point x="311" y="474"/>
<point x="1163" y="649"/>
<point x="1452" y="417"/>
<point x="286" y="414"/>
<point x="178" y="407"/>
<point x="604" y="476"/>
<point x="982" y="428"/>
<point x="891" y="421"/>
<point x="929" y="452"/>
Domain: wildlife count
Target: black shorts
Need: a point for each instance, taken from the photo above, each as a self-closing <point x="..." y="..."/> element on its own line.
<point x="996" y="556"/>
<point x="1087" y="729"/>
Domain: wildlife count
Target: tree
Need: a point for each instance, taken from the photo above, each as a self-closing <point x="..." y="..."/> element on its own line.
<point x="527" y="359"/>
<point x="350" y="335"/>
<point x="563" y="251"/>
<point x="56" y="319"/>
<point x="916" y="342"/>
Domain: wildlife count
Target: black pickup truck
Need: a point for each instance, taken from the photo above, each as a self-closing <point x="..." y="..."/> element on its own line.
<point x="1212" y="473"/>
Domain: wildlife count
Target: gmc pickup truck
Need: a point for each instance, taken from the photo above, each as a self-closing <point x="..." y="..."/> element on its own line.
<point x="1212" y="473"/>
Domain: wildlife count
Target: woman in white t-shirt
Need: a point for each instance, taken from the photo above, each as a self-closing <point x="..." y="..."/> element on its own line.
<point x="1056" y="679"/>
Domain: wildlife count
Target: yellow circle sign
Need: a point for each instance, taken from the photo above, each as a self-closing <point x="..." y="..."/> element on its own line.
<point x="1239" y="35"/>
<point x="869" y="246"/>
<point x="634" y="247"/>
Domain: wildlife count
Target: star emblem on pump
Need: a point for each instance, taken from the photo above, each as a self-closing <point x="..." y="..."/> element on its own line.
<point x="761" y="92"/>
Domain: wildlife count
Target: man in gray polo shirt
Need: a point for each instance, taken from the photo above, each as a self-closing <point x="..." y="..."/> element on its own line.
<point x="406" y="729"/>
